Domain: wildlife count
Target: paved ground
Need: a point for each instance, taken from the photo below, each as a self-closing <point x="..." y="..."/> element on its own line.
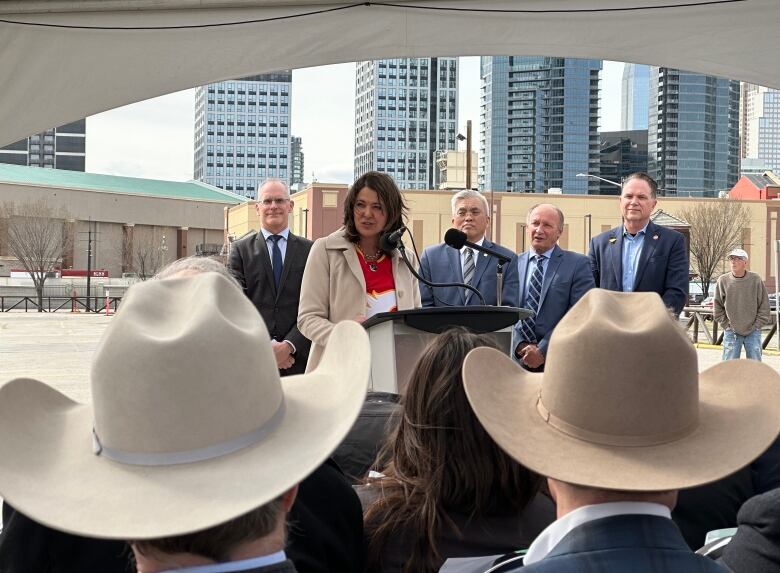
<point x="57" y="348"/>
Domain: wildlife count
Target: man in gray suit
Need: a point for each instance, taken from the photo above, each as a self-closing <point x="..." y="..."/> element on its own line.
<point x="269" y="265"/>
<point x="444" y="264"/>
<point x="551" y="282"/>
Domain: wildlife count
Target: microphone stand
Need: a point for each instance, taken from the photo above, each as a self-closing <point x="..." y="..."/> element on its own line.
<point x="417" y="275"/>
<point x="499" y="281"/>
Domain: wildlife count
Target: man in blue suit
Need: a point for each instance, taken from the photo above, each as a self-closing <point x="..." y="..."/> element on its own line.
<point x="444" y="264"/>
<point x="640" y="255"/>
<point x="619" y="423"/>
<point x="551" y="282"/>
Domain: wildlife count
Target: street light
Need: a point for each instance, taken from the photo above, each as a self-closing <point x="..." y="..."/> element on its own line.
<point x="467" y="137"/>
<point x="615" y="183"/>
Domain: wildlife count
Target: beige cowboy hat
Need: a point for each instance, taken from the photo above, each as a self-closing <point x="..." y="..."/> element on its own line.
<point x="190" y="425"/>
<point x="621" y="404"/>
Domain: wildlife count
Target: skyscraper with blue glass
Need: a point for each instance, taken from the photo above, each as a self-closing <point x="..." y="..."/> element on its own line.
<point x="242" y="132"/>
<point x="693" y="132"/>
<point x="539" y="124"/>
<point x="633" y="97"/>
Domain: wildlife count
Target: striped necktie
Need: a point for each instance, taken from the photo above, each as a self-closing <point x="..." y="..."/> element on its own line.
<point x="532" y="300"/>
<point x="468" y="271"/>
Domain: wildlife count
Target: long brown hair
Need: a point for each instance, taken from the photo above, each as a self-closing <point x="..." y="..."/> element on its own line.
<point x="441" y="460"/>
<point x="389" y="196"/>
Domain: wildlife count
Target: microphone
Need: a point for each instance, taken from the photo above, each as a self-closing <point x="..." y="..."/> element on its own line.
<point x="388" y="242"/>
<point x="457" y="240"/>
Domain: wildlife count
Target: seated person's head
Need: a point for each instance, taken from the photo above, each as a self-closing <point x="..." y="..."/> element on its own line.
<point x="440" y="458"/>
<point x="623" y="407"/>
<point x="190" y="428"/>
<point x="261" y="531"/>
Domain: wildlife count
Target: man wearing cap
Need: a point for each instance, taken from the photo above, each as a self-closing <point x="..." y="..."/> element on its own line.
<point x="741" y="307"/>
<point x="552" y="280"/>
<point x="190" y="449"/>
<point x="616" y="449"/>
<point x="640" y="256"/>
<point x="269" y="265"/>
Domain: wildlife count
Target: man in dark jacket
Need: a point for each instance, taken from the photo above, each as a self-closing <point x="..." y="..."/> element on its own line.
<point x="269" y="265"/>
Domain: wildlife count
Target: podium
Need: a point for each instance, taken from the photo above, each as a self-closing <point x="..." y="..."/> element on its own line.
<point x="398" y="338"/>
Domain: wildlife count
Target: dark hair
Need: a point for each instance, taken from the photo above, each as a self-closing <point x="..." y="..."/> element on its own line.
<point x="647" y="179"/>
<point x="218" y="542"/>
<point x="441" y="460"/>
<point x="389" y="196"/>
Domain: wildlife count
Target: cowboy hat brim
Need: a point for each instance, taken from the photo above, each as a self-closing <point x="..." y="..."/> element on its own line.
<point x="739" y="413"/>
<point x="50" y="473"/>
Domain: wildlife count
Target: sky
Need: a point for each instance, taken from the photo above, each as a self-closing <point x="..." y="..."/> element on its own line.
<point x="154" y="138"/>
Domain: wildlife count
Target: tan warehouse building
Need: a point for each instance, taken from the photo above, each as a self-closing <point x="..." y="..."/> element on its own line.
<point x="131" y="219"/>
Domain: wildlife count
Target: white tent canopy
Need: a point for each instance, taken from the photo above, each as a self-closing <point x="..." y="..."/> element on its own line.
<point x="63" y="60"/>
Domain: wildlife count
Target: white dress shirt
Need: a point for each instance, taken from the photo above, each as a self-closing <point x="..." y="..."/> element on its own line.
<point x="558" y="529"/>
<point x="243" y="565"/>
<point x="270" y="244"/>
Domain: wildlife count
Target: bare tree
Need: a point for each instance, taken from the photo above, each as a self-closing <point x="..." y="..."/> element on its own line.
<point x="716" y="229"/>
<point x="36" y="236"/>
<point x="143" y="252"/>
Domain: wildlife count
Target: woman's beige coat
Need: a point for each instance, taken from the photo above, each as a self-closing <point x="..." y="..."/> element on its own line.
<point x="334" y="289"/>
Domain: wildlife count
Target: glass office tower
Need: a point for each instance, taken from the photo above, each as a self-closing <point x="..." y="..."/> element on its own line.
<point x="539" y="124"/>
<point x="693" y="132"/>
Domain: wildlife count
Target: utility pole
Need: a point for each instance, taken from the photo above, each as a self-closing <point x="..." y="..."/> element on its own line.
<point x="468" y="154"/>
<point x="89" y="261"/>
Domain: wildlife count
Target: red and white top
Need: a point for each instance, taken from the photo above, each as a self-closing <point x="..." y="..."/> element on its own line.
<point x="380" y="285"/>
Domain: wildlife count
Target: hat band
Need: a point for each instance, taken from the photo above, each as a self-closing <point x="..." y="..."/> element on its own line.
<point x="611" y="439"/>
<point x="189" y="456"/>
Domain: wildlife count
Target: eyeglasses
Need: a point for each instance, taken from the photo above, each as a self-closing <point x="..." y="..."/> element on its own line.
<point x="472" y="212"/>
<point x="279" y="201"/>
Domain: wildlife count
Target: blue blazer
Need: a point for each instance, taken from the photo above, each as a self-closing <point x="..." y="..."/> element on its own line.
<point x="663" y="264"/>
<point x="635" y="543"/>
<point x="441" y="264"/>
<point x="566" y="279"/>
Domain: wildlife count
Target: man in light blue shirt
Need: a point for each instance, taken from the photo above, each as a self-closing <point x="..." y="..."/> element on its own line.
<point x="632" y="250"/>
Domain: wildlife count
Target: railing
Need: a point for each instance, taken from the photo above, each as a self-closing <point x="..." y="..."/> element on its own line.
<point x="699" y="316"/>
<point x="97" y="304"/>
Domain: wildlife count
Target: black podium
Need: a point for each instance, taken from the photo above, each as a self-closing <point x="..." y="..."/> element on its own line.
<point x="398" y="338"/>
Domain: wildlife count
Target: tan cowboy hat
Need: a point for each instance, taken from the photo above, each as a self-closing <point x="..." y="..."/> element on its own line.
<point x="621" y="404"/>
<point x="192" y="424"/>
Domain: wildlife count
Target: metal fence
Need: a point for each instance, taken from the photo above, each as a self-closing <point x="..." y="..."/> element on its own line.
<point x="96" y="304"/>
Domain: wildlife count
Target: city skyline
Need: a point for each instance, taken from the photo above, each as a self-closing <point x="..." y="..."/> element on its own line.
<point x="158" y="134"/>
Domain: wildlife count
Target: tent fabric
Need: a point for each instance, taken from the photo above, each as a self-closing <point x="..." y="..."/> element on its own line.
<point x="51" y="75"/>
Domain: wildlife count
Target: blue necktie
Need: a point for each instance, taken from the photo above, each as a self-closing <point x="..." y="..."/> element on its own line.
<point x="276" y="259"/>
<point x="532" y="300"/>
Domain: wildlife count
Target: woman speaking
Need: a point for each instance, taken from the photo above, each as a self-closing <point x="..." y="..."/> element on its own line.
<point x="348" y="276"/>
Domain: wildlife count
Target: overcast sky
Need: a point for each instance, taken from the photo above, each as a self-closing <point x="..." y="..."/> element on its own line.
<point x="154" y="138"/>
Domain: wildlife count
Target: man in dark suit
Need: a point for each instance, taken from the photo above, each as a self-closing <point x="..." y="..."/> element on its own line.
<point x="444" y="264"/>
<point x="640" y="255"/>
<point x="551" y="282"/>
<point x="619" y="423"/>
<point x="269" y="265"/>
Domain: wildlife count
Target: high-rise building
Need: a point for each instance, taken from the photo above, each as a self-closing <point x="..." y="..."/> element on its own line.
<point x="242" y="132"/>
<point x="693" y="132"/>
<point x="633" y="97"/>
<point x="539" y="124"/>
<point x="760" y="125"/>
<point x="622" y="153"/>
<point x="296" y="152"/>
<point x="405" y="111"/>
<point x="63" y="147"/>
